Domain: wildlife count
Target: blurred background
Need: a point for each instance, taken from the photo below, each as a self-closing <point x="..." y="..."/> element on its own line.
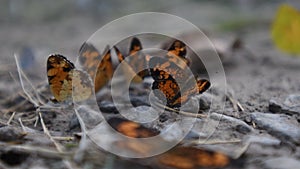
<point x="62" y="27"/>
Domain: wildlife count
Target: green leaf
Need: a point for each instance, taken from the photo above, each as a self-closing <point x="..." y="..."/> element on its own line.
<point x="286" y="29"/>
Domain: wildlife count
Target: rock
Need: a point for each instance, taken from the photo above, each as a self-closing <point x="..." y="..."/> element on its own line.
<point x="243" y="129"/>
<point x="139" y="101"/>
<point x="279" y="125"/>
<point x="13" y="158"/>
<point x="9" y="133"/>
<point x="240" y="125"/>
<point x="205" y="101"/>
<point x="142" y="114"/>
<point x="264" y="140"/>
<point x="291" y="105"/>
<point x="282" y="162"/>
<point x="108" y="107"/>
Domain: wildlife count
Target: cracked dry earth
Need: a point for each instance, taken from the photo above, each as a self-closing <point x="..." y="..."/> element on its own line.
<point x="265" y="82"/>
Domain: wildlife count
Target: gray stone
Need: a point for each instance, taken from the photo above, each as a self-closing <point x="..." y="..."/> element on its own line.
<point x="291" y="105"/>
<point x="108" y="107"/>
<point x="9" y="133"/>
<point x="282" y="163"/>
<point x="278" y="125"/>
<point x="240" y="125"/>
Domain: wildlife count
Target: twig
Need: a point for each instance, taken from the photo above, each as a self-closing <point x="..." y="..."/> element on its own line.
<point x="46" y="131"/>
<point x="83" y="142"/>
<point x="22" y="84"/>
<point x="189" y="114"/>
<point x="11" y="117"/>
<point x="210" y="142"/>
<point x="45" y="152"/>
<point x="21" y="123"/>
<point x="33" y="88"/>
<point x="235" y="103"/>
<point x="2" y="122"/>
<point x="57" y="145"/>
<point x="63" y="138"/>
<point x="240" y="106"/>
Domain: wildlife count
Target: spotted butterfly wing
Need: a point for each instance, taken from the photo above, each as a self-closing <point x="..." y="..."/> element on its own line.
<point x="193" y="157"/>
<point x="138" y="60"/>
<point x="131" y="129"/>
<point x="98" y="66"/>
<point x="66" y="83"/>
<point x="174" y="84"/>
<point x="177" y="52"/>
<point x="127" y="69"/>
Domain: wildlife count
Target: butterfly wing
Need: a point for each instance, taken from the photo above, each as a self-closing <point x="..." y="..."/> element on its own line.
<point x="128" y="71"/>
<point x="192" y="157"/>
<point x="59" y="72"/>
<point x="167" y="77"/>
<point x="138" y="59"/>
<point x="177" y="52"/>
<point x="105" y="70"/>
<point x="131" y="129"/>
<point x="67" y="83"/>
<point x="175" y="84"/>
<point x="98" y="66"/>
<point x="191" y="88"/>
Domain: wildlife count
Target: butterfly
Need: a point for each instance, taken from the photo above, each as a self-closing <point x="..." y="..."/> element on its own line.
<point x="191" y="157"/>
<point x="98" y="66"/>
<point x="131" y="129"/>
<point x="136" y="62"/>
<point x="172" y="78"/>
<point x="66" y="82"/>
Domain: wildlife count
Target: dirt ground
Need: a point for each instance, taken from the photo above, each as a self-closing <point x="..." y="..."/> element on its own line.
<point x="259" y="77"/>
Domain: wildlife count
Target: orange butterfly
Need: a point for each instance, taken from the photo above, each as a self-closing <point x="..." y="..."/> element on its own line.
<point x="98" y="66"/>
<point x="136" y="62"/>
<point x="169" y="72"/>
<point x="131" y="129"/>
<point x="191" y="158"/>
<point x="66" y="82"/>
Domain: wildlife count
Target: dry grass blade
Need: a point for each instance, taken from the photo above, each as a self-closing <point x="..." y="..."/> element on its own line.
<point x="22" y="83"/>
<point x="46" y="131"/>
<point x="210" y="142"/>
<point x="57" y="145"/>
<point x="34" y="89"/>
<point x="11" y="118"/>
<point x="45" y="152"/>
<point x="188" y="114"/>
<point x="64" y="138"/>
<point x="236" y="104"/>
<point x="83" y="142"/>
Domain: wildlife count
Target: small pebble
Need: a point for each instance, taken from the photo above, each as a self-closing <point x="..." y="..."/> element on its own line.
<point x="278" y="125"/>
<point x="9" y="133"/>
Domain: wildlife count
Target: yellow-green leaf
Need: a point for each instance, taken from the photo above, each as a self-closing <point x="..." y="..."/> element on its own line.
<point x="286" y="29"/>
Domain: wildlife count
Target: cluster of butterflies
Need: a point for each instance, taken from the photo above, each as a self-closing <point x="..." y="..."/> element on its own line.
<point x="67" y="83"/>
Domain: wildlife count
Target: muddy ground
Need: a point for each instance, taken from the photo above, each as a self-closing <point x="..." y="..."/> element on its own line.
<point x="260" y="78"/>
